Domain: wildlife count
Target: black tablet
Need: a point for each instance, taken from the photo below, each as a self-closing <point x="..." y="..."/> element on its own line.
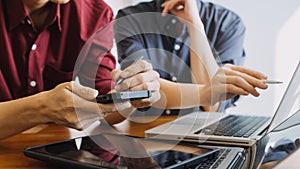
<point x="117" y="151"/>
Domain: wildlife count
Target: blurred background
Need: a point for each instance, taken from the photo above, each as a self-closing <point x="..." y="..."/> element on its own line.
<point x="272" y="45"/>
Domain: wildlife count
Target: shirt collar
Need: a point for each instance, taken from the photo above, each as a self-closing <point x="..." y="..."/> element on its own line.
<point x="55" y="16"/>
<point x="16" y="14"/>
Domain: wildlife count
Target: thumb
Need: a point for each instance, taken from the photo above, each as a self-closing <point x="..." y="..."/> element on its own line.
<point x="82" y="91"/>
<point x="115" y="74"/>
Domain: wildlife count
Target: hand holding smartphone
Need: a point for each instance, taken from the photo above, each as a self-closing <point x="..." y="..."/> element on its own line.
<point x="123" y="96"/>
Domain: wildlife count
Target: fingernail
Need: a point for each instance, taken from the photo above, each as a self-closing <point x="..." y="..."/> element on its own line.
<point x="265" y="76"/>
<point x="95" y="93"/>
<point x="265" y="86"/>
<point x="125" y="74"/>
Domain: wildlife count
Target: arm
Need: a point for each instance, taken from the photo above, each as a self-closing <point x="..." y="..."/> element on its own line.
<point x="202" y="59"/>
<point x="227" y="41"/>
<point x="170" y="90"/>
<point x="228" y="81"/>
<point x="235" y="80"/>
<point x="68" y="104"/>
<point x="202" y="62"/>
<point x="19" y="115"/>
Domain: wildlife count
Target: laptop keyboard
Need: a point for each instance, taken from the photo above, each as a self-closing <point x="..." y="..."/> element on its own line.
<point x="215" y="161"/>
<point x="236" y="126"/>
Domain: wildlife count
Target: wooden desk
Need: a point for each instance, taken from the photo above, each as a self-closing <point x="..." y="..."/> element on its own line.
<point x="11" y="150"/>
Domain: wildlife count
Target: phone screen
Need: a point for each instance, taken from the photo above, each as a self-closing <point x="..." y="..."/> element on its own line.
<point x="155" y="153"/>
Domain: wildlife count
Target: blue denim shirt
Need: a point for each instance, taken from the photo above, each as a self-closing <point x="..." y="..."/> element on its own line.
<point x="164" y="41"/>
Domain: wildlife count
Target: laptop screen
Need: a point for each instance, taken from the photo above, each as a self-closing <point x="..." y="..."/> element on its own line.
<point x="279" y="143"/>
<point x="290" y="101"/>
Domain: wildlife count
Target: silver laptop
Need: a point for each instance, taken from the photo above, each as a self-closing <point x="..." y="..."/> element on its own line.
<point x="227" y="129"/>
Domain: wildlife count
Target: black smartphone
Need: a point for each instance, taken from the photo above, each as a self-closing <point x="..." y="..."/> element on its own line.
<point x="123" y="96"/>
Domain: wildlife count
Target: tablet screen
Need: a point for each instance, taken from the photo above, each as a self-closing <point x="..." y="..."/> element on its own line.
<point x="115" y="151"/>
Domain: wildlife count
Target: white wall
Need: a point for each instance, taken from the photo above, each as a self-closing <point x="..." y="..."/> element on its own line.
<point x="272" y="44"/>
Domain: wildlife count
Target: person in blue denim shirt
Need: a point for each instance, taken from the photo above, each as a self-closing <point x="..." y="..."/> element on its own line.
<point x="188" y="42"/>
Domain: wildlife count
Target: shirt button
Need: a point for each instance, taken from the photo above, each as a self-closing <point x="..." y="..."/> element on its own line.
<point x="168" y="112"/>
<point x="173" y="21"/>
<point x="177" y="47"/>
<point x="32" y="83"/>
<point x="174" y="78"/>
<point x="33" y="47"/>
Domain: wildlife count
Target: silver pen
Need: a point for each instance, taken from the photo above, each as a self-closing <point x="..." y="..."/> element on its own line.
<point x="120" y="80"/>
<point x="272" y="81"/>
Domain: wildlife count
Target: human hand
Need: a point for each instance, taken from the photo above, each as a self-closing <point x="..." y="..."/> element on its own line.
<point x="139" y="76"/>
<point x="186" y="10"/>
<point x="231" y="80"/>
<point x="70" y="104"/>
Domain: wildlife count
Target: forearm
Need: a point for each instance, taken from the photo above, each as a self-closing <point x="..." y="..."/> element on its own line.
<point x="202" y="59"/>
<point x="203" y="64"/>
<point x="199" y="71"/>
<point x="19" y="115"/>
<point x="182" y="95"/>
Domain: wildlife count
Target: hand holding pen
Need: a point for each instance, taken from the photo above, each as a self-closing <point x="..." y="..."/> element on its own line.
<point x="138" y="76"/>
<point x="121" y="79"/>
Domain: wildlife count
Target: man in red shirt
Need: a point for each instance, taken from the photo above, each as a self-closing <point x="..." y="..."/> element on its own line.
<point x="40" y="48"/>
